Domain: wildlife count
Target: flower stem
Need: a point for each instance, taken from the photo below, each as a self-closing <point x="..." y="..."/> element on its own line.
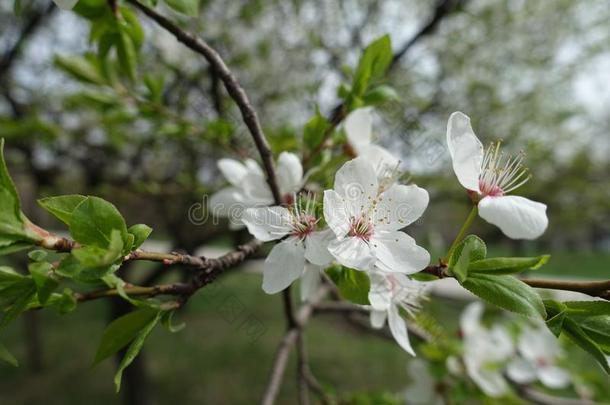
<point x="462" y="233"/>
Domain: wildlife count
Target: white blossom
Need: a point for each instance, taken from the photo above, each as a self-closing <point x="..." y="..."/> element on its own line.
<point x="491" y="175"/>
<point x="249" y="188"/>
<point x="388" y="294"/>
<point x="366" y="222"/>
<point x="303" y="243"/>
<point x="485" y="351"/>
<point x="65" y="4"/>
<point x="539" y="351"/>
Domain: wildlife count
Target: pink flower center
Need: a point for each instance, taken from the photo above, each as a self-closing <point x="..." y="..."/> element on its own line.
<point x="361" y="227"/>
<point x="303" y="225"/>
<point x="501" y="174"/>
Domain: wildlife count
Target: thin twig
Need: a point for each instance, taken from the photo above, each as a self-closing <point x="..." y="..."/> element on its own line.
<point x="236" y="92"/>
<point x="289" y="340"/>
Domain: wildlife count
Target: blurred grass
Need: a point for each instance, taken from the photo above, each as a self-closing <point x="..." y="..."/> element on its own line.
<point x="216" y="359"/>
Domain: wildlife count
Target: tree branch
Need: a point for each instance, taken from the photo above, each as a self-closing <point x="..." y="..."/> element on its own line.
<point x="289" y="340"/>
<point x="230" y="82"/>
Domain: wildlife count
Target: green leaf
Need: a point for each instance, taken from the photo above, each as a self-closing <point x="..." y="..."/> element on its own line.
<point x="80" y="68"/>
<point x="7" y="356"/>
<point x="123" y="330"/>
<point x="23" y="292"/>
<point x="127" y="55"/>
<point x="314" y="130"/>
<point x="353" y="285"/>
<point x="478" y="250"/>
<point x="12" y="220"/>
<point x="37" y="255"/>
<point x="14" y="247"/>
<point x="45" y="284"/>
<point x="62" y="206"/>
<point x="134" y="349"/>
<point x="65" y="302"/>
<point x="93" y="256"/>
<point x="578" y="336"/>
<point x="167" y="321"/>
<point x="188" y="7"/>
<point x="556" y="314"/>
<point x="140" y="233"/>
<point x="372" y="65"/>
<point x="379" y="95"/>
<point x="94" y="220"/>
<point x="507" y="265"/>
<point x="506" y="292"/>
<point x="471" y="248"/>
<point x="587" y="308"/>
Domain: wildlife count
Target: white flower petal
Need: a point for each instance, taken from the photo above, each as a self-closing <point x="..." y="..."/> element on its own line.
<point x="470" y="319"/>
<point x="400" y="206"/>
<point x="227" y="202"/>
<point x="268" y="223"/>
<point x="352" y="252"/>
<point x="316" y="247"/>
<point x="253" y="166"/>
<point x="538" y="343"/>
<point x="554" y="377"/>
<point x="517" y="217"/>
<point x="335" y="214"/>
<point x="398" y="327"/>
<point x="310" y="280"/>
<point x="378" y="318"/>
<point x="256" y="189"/>
<point x="66" y="4"/>
<point x="233" y="171"/>
<point x="289" y="173"/>
<point x="380" y="294"/>
<point x="521" y="371"/>
<point x="358" y="127"/>
<point x="491" y="383"/>
<point x="381" y="159"/>
<point x="356" y="182"/>
<point x="465" y="149"/>
<point x="397" y="252"/>
<point x="284" y="264"/>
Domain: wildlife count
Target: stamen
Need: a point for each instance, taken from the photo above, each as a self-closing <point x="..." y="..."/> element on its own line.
<point x="500" y="175"/>
<point x="361" y="227"/>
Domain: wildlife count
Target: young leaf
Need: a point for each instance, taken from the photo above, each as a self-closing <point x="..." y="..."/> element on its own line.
<point x="80" y="68"/>
<point x="127" y="55"/>
<point x="314" y="130"/>
<point x="123" y="330"/>
<point x="134" y="349"/>
<point x="188" y="7"/>
<point x="23" y="292"/>
<point x="93" y="256"/>
<point x="94" y="220"/>
<point x="353" y="285"/>
<point x="140" y="233"/>
<point x="379" y="95"/>
<point x="7" y="356"/>
<point x="167" y="320"/>
<point x="507" y="265"/>
<point x="62" y="206"/>
<point x="45" y="284"/>
<point x="373" y="64"/>
<point x="478" y="250"/>
<point x="506" y="292"/>
<point x="578" y="336"/>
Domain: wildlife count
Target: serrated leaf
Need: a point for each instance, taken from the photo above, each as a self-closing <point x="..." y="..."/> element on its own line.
<point x="506" y="292"/>
<point x="579" y="337"/>
<point x="140" y="233"/>
<point x="507" y="265"/>
<point x="45" y="284"/>
<point x="94" y="220"/>
<point x="134" y="349"/>
<point x="62" y="206"/>
<point x="123" y="330"/>
<point x="353" y="285"/>
<point x="478" y="250"/>
<point x="7" y="356"/>
<point x="188" y="7"/>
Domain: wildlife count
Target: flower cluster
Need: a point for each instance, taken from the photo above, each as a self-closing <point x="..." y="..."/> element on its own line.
<point x="490" y="355"/>
<point x="364" y="216"/>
